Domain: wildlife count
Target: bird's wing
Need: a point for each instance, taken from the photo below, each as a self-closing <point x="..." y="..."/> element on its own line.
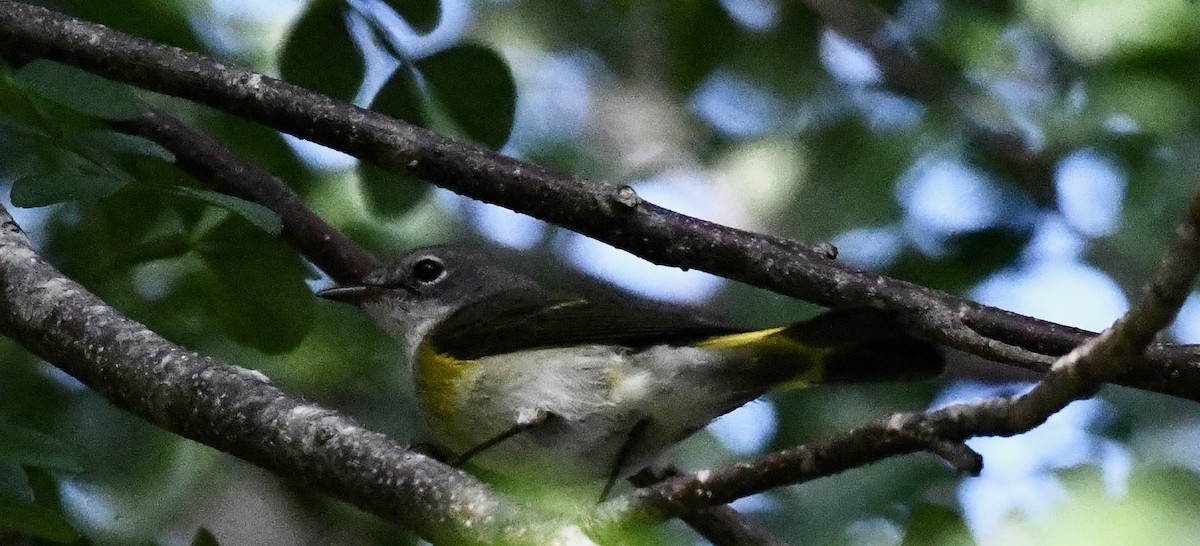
<point x="520" y="320"/>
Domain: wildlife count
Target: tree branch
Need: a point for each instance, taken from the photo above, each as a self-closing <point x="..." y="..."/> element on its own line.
<point x="239" y="411"/>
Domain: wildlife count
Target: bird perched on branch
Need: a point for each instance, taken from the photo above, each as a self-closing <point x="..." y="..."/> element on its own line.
<point x="524" y="381"/>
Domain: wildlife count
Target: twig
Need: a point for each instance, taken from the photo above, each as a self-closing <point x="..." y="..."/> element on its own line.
<point x="611" y="214"/>
<point x="721" y="525"/>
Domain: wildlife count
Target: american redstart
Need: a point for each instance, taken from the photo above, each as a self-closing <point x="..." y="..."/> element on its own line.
<point x="524" y="381"/>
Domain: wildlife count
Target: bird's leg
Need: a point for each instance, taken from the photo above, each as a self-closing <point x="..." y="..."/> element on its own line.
<point x="631" y="439"/>
<point x="526" y="419"/>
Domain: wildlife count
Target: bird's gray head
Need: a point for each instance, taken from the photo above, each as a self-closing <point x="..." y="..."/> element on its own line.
<point x="410" y="295"/>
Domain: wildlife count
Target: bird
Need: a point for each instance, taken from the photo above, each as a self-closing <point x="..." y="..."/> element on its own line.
<point x="529" y="383"/>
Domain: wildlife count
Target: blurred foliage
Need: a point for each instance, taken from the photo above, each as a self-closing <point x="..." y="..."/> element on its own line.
<point x="783" y="126"/>
<point x="320" y="54"/>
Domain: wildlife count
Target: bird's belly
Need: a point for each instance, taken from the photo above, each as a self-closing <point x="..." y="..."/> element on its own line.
<point x="595" y="397"/>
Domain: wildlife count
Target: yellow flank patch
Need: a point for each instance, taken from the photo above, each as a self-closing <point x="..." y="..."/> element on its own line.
<point x="438" y="379"/>
<point x="733" y="341"/>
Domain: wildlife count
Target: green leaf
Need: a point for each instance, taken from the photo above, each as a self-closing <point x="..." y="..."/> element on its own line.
<point x="698" y="34"/>
<point x="34" y="519"/>
<point x="263" y="217"/>
<point x="204" y="537"/>
<point x="932" y="524"/>
<point x="122" y="143"/>
<point x="320" y="54"/>
<point x="44" y="486"/>
<point x="266" y="146"/>
<point x="261" y="297"/>
<point x="388" y="193"/>
<point x="16" y="104"/>
<point x="32" y="448"/>
<point x="172" y="22"/>
<point x="422" y="15"/>
<point x="400" y="98"/>
<point x="44" y="189"/>
<point x="11" y="124"/>
<point x="969" y="257"/>
<point x="475" y="87"/>
<point x="80" y="91"/>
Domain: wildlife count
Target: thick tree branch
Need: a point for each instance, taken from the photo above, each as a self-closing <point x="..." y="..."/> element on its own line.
<point x="1074" y="376"/>
<point x="239" y="411"/>
<point x="608" y="213"/>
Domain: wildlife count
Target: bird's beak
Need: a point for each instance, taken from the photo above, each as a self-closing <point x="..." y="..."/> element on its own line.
<point x="350" y="294"/>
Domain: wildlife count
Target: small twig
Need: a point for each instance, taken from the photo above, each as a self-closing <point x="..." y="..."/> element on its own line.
<point x="724" y="526"/>
<point x="720" y="525"/>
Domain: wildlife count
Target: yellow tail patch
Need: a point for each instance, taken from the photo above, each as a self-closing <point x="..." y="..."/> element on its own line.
<point x="734" y="341"/>
<point x="771" y="349"/>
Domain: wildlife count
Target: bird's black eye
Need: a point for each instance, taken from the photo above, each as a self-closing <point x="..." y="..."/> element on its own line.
<point x="428" y="270"/>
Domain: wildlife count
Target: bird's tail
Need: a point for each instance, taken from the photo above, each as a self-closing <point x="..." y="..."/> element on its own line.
<point x="848" y="345"/>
